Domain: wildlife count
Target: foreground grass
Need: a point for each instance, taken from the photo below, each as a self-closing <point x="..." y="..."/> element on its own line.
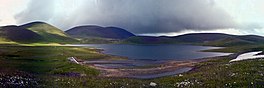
<point x="47" y="61"/>
<point x="220" y="73"/>
<point x="48" y="67"/>
<point x="215" y="73"/>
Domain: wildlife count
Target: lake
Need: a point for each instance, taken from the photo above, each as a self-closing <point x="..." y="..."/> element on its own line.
<point x="149" y="55"/>
<point x="156" y="52"/>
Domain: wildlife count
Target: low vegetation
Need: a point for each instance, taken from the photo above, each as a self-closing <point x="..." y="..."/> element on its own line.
<point x="98" y="41"/>
<point x="33" y="55"/>
<point x="47" y="66"/>
<point x="46" y="61"/>
<point x="220" y="73"/>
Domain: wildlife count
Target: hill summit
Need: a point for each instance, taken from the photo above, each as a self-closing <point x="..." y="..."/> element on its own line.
<point x="93" y="31"/>
<point x="34" y="32"/>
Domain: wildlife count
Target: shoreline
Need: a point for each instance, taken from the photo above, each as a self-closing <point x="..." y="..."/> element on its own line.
<point x="168" y="67"/>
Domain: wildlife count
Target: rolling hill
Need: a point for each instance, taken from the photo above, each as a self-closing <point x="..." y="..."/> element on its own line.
<point x="149" y="40"/>
<point x="48" y="32"/>
<point x="40" y="32"/>
<point x="35" y="32"/>
<point x="210" y="39"/>
<point x="99" y="32"/>
<point x="201" y="37"/>
<point x="18" y="34"/>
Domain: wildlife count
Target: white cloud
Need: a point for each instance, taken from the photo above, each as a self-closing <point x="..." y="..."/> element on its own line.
<point x="226" y="31"/>
<point x="8" y="9"/>
<point x="148" y="16"/>
<point x="144" y="16"/>
<point x="244" y="12"/>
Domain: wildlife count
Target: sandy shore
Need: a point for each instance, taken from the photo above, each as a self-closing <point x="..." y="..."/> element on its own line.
<point x="168" y="66"/>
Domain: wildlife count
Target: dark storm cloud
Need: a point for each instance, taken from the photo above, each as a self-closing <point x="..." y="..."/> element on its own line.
<point x="141" y="16"/>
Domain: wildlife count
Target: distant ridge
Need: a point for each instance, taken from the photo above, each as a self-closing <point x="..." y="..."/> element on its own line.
<point x="92" y="31"/>
<point x="41" y="32"/>
<point x="210" y="39"/>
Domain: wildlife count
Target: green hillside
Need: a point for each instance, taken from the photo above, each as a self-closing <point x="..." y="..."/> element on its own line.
<point x="91" y="31"/>
<point x="208" y="39"/>
<point x="148" y="40"/>
<point x="49" y="32"/>
<point x="35" y="32"/>
<point x="12" y="34"/>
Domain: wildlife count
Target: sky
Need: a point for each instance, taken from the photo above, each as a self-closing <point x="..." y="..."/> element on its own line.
<point x="142" y="17"/>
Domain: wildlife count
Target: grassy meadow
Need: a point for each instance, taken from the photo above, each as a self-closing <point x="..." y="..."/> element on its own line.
<point x="47" y="66"/>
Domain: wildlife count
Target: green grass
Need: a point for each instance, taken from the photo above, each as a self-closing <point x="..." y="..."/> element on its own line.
<point x="220" y="73"/>
<point x="237" y="49"/>
<point x="44" y="60"/>
<point x="51" y="33"/>
<point x="49" y="64"/>
<point x="43" y="29"/>
<point x="98" y="41"/>
<point x="215" y="73"/>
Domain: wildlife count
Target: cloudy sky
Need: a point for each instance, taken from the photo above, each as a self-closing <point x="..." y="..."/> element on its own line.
<point x="148" y="17"/>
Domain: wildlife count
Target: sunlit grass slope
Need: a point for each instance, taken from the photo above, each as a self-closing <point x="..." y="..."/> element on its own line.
<point x="49" y="32"/>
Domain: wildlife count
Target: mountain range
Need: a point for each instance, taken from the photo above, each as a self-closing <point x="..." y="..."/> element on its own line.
<point x="209" y="39"/>
<point x="40" y="32"/>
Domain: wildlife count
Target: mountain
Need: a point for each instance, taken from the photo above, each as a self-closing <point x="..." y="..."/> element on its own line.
<point x="201" y="37"/>
<point x="210" y="39"/>
<point x="18" y="34"/>
<point x="49" y="32"/>
<point x="35" y="32"/>
<point x="219" y="39"/>
<point x="99" y="32"/>
<point x="40" y="32"/>
<point x="148" y="40"/>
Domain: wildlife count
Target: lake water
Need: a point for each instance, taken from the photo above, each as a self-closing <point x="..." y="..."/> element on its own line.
<point x="156" y="52"/>
<point x="148" y="55"/>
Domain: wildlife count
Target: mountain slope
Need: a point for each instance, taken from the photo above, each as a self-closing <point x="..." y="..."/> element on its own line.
<point x="219" y="39"/>
<point x="48" y="32"/>
<point x="201" y="37"/>
<point x="18" y="34"/>
<point x="35" y="32"/>
<point x="148" y="40"/>
<point x="99" y="32"/>
<point x="210" y="39"/>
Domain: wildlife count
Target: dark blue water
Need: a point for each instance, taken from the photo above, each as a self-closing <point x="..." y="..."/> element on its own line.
<point x="148" y="55"/>
<point x="156" y="52"/>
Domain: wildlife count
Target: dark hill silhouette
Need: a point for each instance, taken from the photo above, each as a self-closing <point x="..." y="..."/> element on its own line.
<point x="34" y="32"/>
<point x="100" y="32"/>
<point x="211" y="39"/>
<point x="19" y="34"/>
